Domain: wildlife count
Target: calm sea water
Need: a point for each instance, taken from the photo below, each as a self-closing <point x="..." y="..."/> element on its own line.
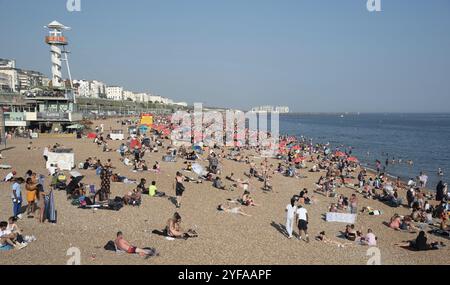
<point x="422" y="138"/>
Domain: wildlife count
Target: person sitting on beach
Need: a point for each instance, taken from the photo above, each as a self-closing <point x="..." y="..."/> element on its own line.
<point x="351" y="233"/>
<point x="133" y="198"/>
<point x="156" y="168"/>
<point x="333" y="208"/>
<point x="303" y="197"/>
<point x="174" y="229"/>
<point x="369" y="239"/>
<point x="141" y="186"/>
<point x="323" y="238"/>
<point x="122" y="244"/>
<point x="217" y="183"/>
<point x="420" y="243"/>
<point x="227" y="208"/>
<point x="9" y="238"/>
<point x="314" y="168"/>
<point x="247" y="200"/>
<point x="188" y="167"/>
<point x="153" y="191"/>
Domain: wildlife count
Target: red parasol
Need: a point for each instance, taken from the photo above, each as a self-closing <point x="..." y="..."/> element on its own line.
<point x="352" y="159"/>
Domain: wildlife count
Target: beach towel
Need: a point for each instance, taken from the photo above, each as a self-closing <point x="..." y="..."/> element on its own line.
<point x="415" y="249"/>
<point x="341" y="218"/>
<point x="51" y="213"/>
<point x="441" y="233"/>
<point x="6" y="247"/>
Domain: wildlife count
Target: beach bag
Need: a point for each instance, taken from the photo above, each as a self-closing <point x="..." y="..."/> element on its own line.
<point x="110" y="246"/>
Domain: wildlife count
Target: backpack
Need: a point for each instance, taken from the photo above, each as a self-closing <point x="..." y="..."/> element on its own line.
<point x="110" y="246"/>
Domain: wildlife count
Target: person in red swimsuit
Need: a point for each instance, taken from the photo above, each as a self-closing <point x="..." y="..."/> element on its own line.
<point x="124" y="245"/>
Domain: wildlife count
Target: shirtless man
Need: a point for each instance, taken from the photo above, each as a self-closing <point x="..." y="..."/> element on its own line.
<point x="124" y="245"/>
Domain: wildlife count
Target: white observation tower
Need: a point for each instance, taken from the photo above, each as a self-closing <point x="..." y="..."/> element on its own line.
<point x="58" y="42"/>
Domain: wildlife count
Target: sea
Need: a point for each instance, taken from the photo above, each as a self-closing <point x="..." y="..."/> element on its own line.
<point x="422" y="138"/>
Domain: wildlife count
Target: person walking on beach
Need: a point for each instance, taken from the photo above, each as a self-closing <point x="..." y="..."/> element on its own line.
<point x="290" y="216"/>
<point x="179" y="188"/>
<point x="423" y="178"/>
<point x="378" y="166"/>
<point x="17" y="196"/>
<point x="353" y="204"/>
<point x="302" y="222"/>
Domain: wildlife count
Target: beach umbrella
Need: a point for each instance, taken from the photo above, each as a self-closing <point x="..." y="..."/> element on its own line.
<point x="296" y="147"/>
<point x="352" y="159"/>
<point x="339" y="154"/>
<point x="197" y="168"/>
<point x="299" y="159"/>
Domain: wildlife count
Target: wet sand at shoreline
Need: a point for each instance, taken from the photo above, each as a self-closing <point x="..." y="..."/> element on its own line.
<point x="223" y="238"/>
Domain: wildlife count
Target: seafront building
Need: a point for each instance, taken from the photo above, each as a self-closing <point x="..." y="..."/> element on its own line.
<point x="29" y="99"/>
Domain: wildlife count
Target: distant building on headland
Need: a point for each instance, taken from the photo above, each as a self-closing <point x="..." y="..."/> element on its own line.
<point x="268" y="108"/>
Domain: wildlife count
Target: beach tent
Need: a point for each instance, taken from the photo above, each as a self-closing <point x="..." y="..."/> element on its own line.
<point x="65" y="159"/>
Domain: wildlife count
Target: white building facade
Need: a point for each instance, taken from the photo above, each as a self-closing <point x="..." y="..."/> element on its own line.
<point x="114" y="93"/>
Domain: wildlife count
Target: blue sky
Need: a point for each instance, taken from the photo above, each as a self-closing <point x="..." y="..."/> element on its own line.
<point x="312" y="55"/>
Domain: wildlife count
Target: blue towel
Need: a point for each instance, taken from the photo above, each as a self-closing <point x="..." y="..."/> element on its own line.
<point x="6" y="247"/>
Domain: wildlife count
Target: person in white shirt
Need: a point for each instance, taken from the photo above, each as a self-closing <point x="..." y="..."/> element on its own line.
<point x="290" y="216"/>
<point x="302" y="222"/>
<point x="370" y="239"/>
<point x="9" y="176"/>
<point x="411" y="183"/>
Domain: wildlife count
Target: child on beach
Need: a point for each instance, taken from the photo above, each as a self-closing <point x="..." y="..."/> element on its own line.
<point x="153" y="191"/>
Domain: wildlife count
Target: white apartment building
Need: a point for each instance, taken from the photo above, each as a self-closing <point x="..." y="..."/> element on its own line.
<point x="97" y="89"/>
<point x="129" y="95"/>
<point x="114" y="93"/>
<point x="82" y="88"/>
<point x="154" y="98"/>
